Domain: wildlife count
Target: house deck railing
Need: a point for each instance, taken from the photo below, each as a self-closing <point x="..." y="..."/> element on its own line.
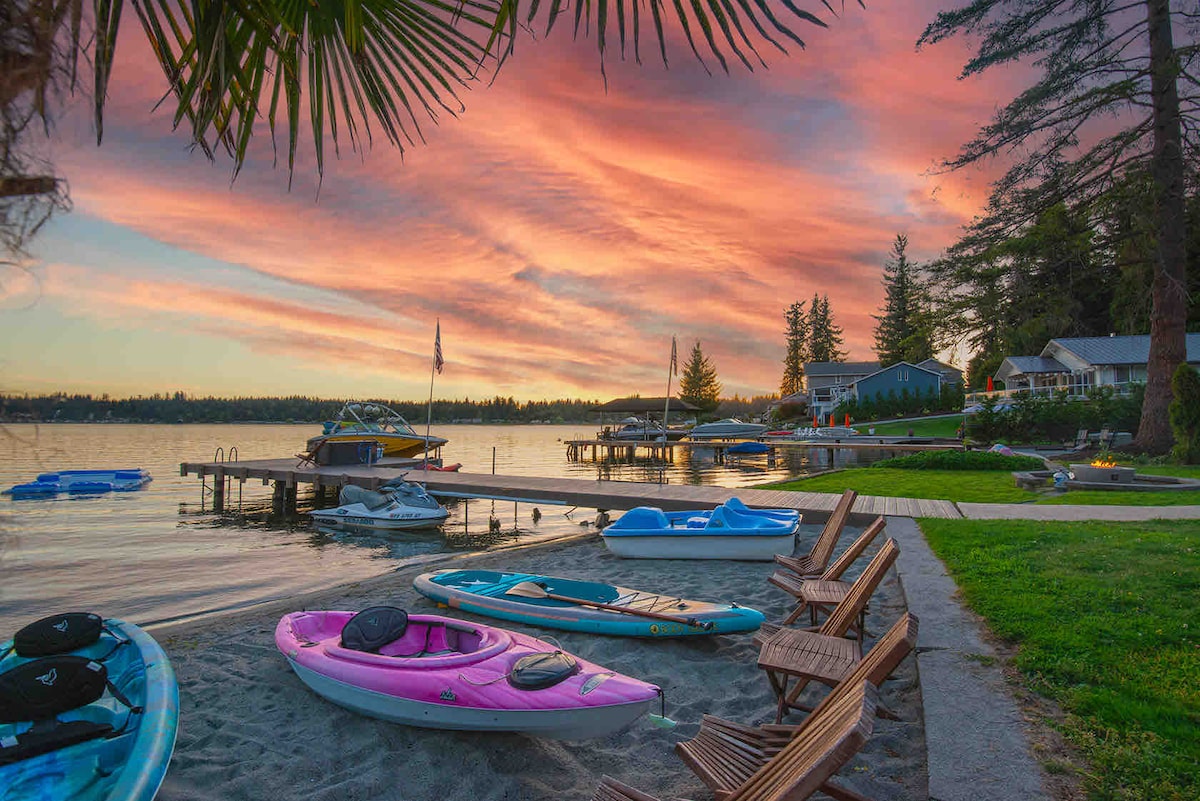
<point x="1073" y="391"/>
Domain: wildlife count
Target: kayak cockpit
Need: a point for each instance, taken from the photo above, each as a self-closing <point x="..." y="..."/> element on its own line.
<point x="378" y="636"/>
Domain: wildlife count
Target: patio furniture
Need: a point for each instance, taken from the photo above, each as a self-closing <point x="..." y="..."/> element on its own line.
<point x="823" y="594"/>
<point x="801" y="767"/>
<point x="814" y="562"/>
<point x="825" y="655"/>
<point x="723" y="754"/>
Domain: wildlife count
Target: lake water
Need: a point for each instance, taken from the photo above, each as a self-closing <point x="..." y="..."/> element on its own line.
<point x="161" y="554"/>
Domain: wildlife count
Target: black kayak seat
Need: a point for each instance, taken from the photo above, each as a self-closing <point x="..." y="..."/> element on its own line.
<point x="373" y="628"/>
<point x="40" y="689"/>
<point x="58" y="634"/>
<point x="539" y="671"/>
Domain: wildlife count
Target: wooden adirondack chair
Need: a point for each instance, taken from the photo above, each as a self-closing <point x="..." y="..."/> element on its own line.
<point x="823" y="594"/>
<point x="814" y="562"/>
<point x="724" y="754"/>
<point x="825" y="655"/>
<point x="801" y="767"/>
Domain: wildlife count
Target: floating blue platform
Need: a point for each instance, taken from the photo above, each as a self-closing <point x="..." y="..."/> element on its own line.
<point x="82" y="481"/>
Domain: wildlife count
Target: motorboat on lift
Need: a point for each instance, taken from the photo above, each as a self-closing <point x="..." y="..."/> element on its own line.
<point x="643" y="429"/>
<point x="729" y="428"/>
<point x="399" y="505"/>
<point x="379" y="423"/>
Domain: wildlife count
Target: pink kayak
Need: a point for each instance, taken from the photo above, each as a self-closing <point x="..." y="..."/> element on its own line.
<point x="442" y="673"/>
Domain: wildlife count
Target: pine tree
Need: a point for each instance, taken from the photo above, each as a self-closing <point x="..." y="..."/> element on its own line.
<point x="825" y="338"/>
<point x="902" y="332"/>
<point x="1113" y="96"/>
<point x="699" y="385"/>
<point x="797" y="349"/>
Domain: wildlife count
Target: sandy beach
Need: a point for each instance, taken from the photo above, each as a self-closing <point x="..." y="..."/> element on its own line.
<point x="249" y="729"/>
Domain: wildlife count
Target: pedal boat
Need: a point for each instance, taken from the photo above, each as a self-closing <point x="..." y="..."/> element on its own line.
<point x="647" y="532"/>
<point x="444" y="673"/>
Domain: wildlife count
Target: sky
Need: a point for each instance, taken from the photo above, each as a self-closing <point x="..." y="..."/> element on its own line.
<point x="560" y="230"/>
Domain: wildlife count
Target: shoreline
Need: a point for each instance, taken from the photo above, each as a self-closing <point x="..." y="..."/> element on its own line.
<point x="249" y="729"/>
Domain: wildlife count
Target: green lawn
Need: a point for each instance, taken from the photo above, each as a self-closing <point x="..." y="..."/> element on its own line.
<point x="1106" y="621"/>
<point x="936" y="427"/>
<point x="976" y="486"/>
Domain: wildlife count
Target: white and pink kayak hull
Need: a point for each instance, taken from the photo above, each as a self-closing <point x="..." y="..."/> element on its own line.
<point x="424" y="679"/>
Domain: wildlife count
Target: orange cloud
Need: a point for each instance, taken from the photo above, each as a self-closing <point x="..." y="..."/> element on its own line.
<point x="562" y="232"/>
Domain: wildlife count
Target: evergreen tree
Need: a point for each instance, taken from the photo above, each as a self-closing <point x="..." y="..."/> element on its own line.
<point x="825" y="338"/>
<point x="699" y="385"/>
<point x="902" y="330"/>
<point x="1106" y="104"/>
<point x="797" y="349"/>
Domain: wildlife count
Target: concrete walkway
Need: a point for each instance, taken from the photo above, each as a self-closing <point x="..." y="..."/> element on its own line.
<point x="977" y="741"/>
<point x="1029" y="511"/>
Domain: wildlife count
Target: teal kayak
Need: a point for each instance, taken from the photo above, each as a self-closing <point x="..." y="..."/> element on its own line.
<point x="494" y="594"/>
<point x="90" y="721"/>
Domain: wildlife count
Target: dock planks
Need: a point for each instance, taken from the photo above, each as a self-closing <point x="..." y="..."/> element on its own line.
<point x="586" y="493"/>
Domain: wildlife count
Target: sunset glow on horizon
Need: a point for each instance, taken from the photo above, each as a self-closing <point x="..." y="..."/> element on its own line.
<point x="560" y="232"/>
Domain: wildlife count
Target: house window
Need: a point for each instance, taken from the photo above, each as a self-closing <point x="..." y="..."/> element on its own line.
<point x="837" y="379"/>
<point x="902" y="375"/>
<point x="1121" y="374"/>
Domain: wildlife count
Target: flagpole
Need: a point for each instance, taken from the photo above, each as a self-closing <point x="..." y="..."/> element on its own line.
<point x="667" y="404"/>
<point x="429" y="415"/>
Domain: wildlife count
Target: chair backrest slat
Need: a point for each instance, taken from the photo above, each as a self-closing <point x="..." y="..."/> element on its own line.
<point x="851" y="554"/>
<point x="880" y="661"/>
<point x="846" y="612"/>
<point x="826" y="743"/>
<point x="823" y="548"/>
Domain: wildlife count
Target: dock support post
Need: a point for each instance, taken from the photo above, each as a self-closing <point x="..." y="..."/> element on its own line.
<point x="218" y="491"/>
<point x="277" y="499"/>
<point x="289" y="500"/>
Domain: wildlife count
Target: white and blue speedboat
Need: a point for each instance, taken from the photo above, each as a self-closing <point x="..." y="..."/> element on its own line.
<point x="399" y="505"/>
<point x="729" y="428"/>
<point x="727" y="532"/>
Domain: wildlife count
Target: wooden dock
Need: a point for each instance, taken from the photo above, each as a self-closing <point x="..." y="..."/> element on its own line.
<point x="627" y="450"/>
<point x="287" y="475"/>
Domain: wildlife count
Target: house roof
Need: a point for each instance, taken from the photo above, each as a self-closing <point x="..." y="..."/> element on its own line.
<point x="1118" y="350"/>
<point x="795" y="397"/>
<point x="929" y="370"/>
<point x="840" y="368"/>
<point x="941" y="367"/>
<point x="643" y="405"/>
<point x="1026" y="365"/>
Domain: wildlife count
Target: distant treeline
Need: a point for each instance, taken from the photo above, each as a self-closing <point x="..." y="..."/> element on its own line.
<point x="180" y="408"/>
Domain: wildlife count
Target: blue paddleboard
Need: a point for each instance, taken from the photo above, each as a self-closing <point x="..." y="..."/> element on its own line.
<point x="487" y="592"/>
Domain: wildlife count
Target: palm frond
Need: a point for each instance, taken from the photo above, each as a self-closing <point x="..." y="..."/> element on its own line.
<point x="355" y="66"/>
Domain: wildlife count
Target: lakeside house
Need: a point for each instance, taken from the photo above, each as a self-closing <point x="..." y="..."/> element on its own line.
<point x="831" y="383"/>
<point x="1078" y="364"/>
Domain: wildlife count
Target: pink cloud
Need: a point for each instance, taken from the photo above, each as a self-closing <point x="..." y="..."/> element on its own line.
<point x="564" y="233"/>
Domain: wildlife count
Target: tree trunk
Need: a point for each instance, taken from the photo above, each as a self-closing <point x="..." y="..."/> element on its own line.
<point x="1168" y="317"/>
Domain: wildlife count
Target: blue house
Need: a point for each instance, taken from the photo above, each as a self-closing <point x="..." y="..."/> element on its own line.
<point x="919" y="381"/>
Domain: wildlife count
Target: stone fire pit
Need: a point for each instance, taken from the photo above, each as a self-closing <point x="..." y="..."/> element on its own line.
<point x="1093" y="474"/>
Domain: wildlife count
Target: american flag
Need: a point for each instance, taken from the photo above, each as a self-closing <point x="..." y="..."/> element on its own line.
<point x="438" y="361"/>
<point x="674" y="362"/>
